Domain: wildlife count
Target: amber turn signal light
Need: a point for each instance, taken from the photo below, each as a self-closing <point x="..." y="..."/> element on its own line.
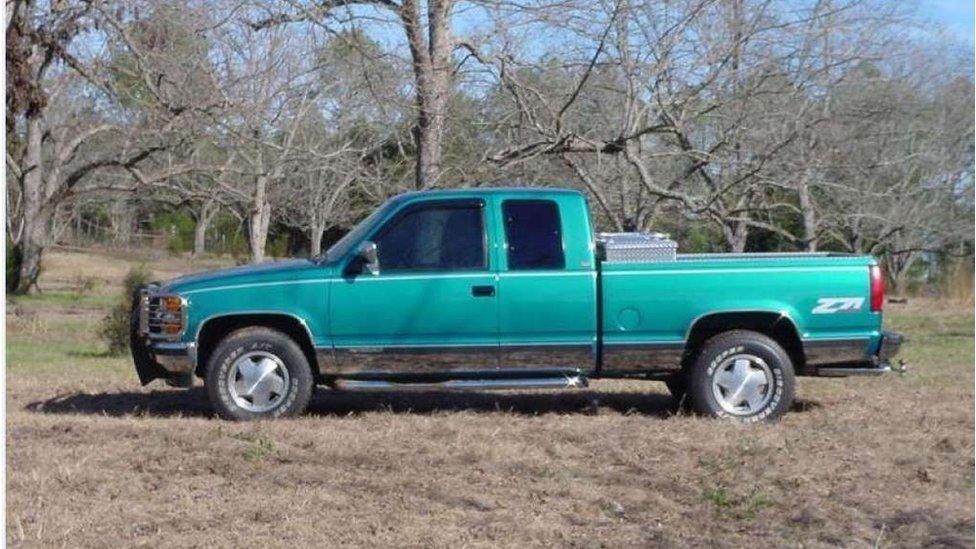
<point x="172" y="304"/>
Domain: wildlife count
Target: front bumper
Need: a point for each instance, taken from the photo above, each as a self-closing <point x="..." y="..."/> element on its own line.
<point x="877" y="364"/>
<point x="175" y="357"/>
<point x="172" y="361"/>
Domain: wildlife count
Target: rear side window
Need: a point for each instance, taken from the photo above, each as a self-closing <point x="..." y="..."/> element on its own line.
<point x="534" y="234"/>
<point x="442" y="237"/>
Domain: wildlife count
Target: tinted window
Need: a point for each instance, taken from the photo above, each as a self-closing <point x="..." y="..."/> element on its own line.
<point x="434" y="237"/>
<point x="534" y="235"/>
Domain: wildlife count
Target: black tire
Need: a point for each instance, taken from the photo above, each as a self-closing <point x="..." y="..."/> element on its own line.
<point x="774" y="398"/>
<point x="267" y="343"/>
<point x="678" y="387"/>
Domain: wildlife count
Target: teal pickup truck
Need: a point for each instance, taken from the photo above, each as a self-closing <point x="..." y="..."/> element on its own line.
<point x="509" y="289"/>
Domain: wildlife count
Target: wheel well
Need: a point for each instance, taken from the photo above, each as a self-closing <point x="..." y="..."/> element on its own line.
<point x="215" y="329"/>
<point x="775" y="325"/>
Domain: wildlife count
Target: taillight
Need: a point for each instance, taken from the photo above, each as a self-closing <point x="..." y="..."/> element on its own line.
<point x="877" y="289"/>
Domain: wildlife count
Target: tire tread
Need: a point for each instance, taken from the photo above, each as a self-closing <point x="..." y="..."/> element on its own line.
<point x="699" y="385"/>
<point x="296" y="362"/>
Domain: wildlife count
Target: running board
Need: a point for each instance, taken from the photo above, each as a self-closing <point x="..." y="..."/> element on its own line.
<point x="567" y="382"/>
<point x="845" y="372"/>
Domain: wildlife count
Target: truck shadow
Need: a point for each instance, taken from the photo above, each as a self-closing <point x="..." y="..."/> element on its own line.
<point x="325" y="403"/>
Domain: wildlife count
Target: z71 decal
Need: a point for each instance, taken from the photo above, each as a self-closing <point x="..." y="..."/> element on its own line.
<point x="831" y="305"/>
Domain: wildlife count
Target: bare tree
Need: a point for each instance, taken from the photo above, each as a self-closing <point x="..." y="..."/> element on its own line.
<point x="697" y="98"/>
<point x="266" y="96"/>
<point x="431" y="43"/>
<point x="57" y="142"/>
<point x="316" y="199"/>
<point x="744" y="124"/>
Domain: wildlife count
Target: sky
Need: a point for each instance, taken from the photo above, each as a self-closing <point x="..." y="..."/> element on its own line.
<point x="955" y="15"/>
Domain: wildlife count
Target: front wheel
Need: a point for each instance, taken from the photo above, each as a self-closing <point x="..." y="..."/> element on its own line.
<point x="257" y="373"/>
<point x="742" y="375"/>
<point x="678" y="387"/>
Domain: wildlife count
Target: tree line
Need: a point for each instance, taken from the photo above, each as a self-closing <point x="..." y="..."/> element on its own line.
<point x="734" y="125"/>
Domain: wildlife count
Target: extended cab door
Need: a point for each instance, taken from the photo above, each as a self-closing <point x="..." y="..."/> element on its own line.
<point x="547" y="282"/>
<point x="433" y="307"/>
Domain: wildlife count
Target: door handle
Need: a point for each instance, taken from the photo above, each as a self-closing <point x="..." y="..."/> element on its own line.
<point x="483" y="291"/>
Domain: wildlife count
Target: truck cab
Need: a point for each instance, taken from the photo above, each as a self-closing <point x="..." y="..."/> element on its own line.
<point x="511" y="288"/>
<point x="469" y="281"/>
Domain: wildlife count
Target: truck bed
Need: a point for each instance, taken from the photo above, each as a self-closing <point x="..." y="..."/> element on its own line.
<point x="657" y="303"/>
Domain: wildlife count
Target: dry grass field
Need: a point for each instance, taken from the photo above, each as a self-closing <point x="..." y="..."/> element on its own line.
<point x="93" y="459"/>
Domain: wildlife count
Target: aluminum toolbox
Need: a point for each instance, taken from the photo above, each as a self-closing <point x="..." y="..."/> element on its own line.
<point x="637" y="247"/>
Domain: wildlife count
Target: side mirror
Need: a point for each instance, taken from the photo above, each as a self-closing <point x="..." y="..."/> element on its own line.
<point x="369" y="256"/>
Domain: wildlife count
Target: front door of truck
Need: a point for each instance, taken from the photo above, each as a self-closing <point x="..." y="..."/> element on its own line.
<point x="433" y="305"/>
<point x="546" y="290"/>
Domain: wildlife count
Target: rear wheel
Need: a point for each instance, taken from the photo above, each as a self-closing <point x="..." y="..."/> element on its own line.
<point x="257" y="373"/>
<point x="741" y="375"/>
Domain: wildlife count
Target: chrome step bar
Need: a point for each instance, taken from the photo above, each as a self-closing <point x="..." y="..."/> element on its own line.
<point x="566" y="382"/>
<point x="844" y="372"/>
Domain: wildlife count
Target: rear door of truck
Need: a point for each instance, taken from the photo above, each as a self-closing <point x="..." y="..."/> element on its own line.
<point x="546" y="282"/>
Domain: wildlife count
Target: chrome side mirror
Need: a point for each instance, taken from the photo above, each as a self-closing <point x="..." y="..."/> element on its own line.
<point x="371" y="259"/>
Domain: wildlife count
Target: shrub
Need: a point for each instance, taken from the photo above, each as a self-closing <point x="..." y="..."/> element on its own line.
<point x="114" y="328"/>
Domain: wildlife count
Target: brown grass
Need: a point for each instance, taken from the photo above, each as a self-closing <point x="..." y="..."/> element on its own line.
<point x="95" y="460"/>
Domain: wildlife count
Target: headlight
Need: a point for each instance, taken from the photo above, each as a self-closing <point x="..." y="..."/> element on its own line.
<point x="165" y="316"/>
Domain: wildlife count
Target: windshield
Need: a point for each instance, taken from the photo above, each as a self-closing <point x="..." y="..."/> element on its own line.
<point x="342" y="246"/>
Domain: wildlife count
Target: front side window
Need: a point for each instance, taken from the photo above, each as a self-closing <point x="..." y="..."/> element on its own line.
<point x="534" y="235"/>
<point x="442" y="237"/>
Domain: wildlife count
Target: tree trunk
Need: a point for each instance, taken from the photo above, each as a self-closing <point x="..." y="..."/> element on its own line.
<point x="736" y="236"/>
<point x="809" y="217"/>
<point x="428" y="140"/>
<point x="36" y="218"/>
<point x="899" y="269"/>
<point x="900" y="284"/>
<point x="315" y="238"/>
<point x="207" y="211"/>
<point x="30" y="251"/>
<point x="259" y="220"/>
<point x="199" y="237"/>
<point x="431" y="60"/>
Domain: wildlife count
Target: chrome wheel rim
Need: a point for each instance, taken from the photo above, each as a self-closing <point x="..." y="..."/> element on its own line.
<point x="743" y="384"/>
<point x="258" y="381"/>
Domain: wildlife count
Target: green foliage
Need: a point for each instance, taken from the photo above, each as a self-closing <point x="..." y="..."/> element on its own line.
<point x="226" y="236"/>
<point x="178" y="227"/>
<point x="114" y="328"/>
<point x="699" y="241"/>
<point x="737" y="506"/>
<point x="693" y="237"/>
<point x="719" y="498"/>
<point x="258" y="446"/>
<point x="277" y="245"/>
<point x="53" y="299"/>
